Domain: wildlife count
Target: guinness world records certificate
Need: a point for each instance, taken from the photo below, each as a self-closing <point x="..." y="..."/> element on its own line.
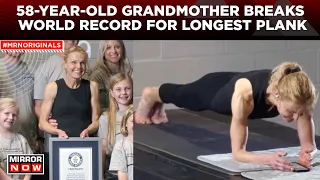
<point x="75" y="163"/>
<point x="75" y="158"/>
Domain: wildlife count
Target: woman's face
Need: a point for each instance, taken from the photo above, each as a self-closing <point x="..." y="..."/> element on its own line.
<point x="76" y="65"/>
<point x="113" y="52"/>
<point x="289" y="110"/>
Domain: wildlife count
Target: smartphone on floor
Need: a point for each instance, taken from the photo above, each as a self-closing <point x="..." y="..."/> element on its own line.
<point x="299" y="168"/>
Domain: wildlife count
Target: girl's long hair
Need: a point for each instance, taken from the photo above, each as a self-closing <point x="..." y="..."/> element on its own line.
<point x="127" y="114"/>
<point x="113" y="106"/>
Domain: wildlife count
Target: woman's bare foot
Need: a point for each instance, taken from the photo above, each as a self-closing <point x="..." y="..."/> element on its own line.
<point x="159" y="114"/>
<point x="144" y="109"/>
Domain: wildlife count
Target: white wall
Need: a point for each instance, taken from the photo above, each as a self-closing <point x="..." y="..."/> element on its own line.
<point x="161" y="61"/>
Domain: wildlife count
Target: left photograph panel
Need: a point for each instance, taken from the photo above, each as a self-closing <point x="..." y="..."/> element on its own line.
<point x="66" y="109"/>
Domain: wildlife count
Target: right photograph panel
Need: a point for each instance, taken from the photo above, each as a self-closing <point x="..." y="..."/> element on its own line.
<point x="226" y="109"/>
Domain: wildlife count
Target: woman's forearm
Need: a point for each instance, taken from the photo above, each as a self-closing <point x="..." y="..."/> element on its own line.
<point x="93" y="127"/>
<point x="306" y="132"/>
<point x="249" y="157"/>
<point x="47" y="127"/>
<point x="95" y="105"/>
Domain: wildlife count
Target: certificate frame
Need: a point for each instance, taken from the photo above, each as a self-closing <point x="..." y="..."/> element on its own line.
<point x="55" y="144"/>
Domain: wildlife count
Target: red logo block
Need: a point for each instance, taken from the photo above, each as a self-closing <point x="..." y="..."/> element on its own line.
<point x="25" y="164"/>
<point x="37" y="167"/>
<point x="25" y="167"/>
<point x="14" y="167"/>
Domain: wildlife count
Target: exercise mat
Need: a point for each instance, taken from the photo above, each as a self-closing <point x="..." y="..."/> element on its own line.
<point x="313" y="174"/>
<point x="226" y="162"/>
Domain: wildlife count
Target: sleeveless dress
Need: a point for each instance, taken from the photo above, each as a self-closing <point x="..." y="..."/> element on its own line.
<point x="72" y="108"/>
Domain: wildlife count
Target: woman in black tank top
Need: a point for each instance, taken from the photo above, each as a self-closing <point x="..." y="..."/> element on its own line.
<point x="72" y="101"/>
<point x="285" y="90"/>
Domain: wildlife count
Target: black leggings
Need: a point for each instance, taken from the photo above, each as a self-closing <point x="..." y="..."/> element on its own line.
<point x="198" y="95"/>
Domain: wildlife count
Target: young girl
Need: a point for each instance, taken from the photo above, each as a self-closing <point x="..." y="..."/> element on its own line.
<point x="120" y="95"/>
<point x="122" y="154"/>
<point x="11" y="142"/>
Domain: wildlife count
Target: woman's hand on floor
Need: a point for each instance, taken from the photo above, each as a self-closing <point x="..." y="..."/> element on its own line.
<point x="276" y="161"/>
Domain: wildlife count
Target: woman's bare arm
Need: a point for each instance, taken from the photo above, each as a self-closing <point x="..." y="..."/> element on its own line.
<point x="95" y="108"/>
<point x="46" y="107"/>
<point x="242" y="105"/>
<point x="306" y="132"/>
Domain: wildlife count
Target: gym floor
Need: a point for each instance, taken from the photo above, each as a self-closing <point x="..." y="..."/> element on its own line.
<point x="169" y="151"/>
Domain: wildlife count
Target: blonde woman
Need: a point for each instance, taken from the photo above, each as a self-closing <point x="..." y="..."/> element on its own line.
<point x="122" y="154"/>
<point x="72" y="101"/>
<point x="111" y="59"/>
<point x="286" y="90"/>
<point x="120" y="95"/>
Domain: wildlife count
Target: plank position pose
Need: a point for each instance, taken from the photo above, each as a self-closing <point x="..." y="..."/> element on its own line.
<point x="285" y="90"/>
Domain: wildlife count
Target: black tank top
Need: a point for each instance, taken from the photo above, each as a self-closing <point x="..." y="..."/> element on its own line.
<point x="221" y="103"/>
<point x="72" y="108"/>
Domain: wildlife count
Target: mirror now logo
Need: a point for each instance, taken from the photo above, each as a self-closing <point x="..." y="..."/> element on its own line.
<point x="32" y="164"/>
